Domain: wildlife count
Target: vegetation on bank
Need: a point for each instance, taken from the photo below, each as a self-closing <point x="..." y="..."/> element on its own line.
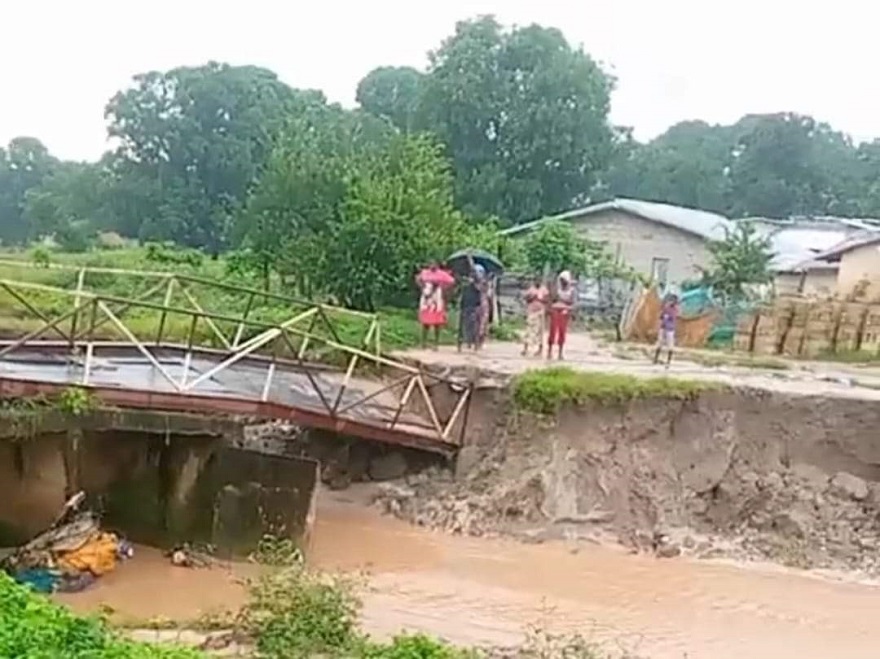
<point x="32" y="626"/>
<point x="545" y="391"/>
<point x="22" y="416"/>
<point x="292" y="614"/>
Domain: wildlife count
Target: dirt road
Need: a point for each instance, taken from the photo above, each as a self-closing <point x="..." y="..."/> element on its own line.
<point x="583" y="352"/>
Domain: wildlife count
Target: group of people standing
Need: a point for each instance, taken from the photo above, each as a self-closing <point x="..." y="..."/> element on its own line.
<point x="548" y="308"/>
<point x="555" y="304"/>
<point x="545" y="306"/>
<point x="475" y="304"/>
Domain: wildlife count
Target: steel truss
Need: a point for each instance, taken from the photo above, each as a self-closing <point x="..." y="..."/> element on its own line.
<point x="82" y="322"/>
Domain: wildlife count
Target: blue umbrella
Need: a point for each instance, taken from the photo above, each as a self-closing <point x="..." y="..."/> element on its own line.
<point x="458" y="262"/>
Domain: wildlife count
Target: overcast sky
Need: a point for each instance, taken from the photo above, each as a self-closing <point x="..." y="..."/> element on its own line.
<point x="60" y="61"/>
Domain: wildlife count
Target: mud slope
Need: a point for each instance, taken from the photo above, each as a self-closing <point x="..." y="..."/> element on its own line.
<point x="741" y="473"/>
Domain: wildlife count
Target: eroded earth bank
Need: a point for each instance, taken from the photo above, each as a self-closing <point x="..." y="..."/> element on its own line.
<point x="734" y="473"/>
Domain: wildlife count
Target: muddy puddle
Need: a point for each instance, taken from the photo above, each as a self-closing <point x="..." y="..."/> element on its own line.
<point x="477" y="590"/>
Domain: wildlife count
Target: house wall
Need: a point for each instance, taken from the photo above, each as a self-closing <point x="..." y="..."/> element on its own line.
<point x="820" y="282"/>
<point x="817" y="282"/>
<point x="639" y="241"/>
<point x="857" y="265"/>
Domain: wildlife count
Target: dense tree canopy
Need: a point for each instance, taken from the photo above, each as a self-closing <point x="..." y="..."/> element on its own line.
<point x="393" y="93"/>
<point x="197" y="138"/>
<point x="351" y="208"/>
<point x="510" y="124"/>
<point x="775" y="165"/>
<point x="523" y="115"/>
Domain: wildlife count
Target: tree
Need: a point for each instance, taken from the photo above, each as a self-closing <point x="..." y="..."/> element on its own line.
<point x="302" y="189"/>
<point x="397" y="215"/>
<point x="353" y="209"/>
<point x="772" y="171"/>
<point x="24" y="165"/>
<point x="774" y="165"/>
<point x="523" y="116"/>
<point x="742" y="258"/>
<point x="75" y="194"/>
<point x="687" y="165"/>
<point x="556" y="245"/>
<point x="198" y="137"/>
<point x="393" y="93"/>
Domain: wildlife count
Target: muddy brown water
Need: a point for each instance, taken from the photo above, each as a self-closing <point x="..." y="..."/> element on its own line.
<point x="479" y="590"/>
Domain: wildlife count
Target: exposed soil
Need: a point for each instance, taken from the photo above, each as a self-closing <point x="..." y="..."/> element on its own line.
<point x="743" y="474"/>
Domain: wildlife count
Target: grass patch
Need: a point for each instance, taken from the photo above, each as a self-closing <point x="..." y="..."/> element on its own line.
<point x="856" y="357"/>
<point x="545" y="391"/>
<point x="294" y="613"/>
<point x="715" y="360"/>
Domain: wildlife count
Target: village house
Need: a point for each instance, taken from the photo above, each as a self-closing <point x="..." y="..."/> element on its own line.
<point x="850" y="269"/>
<point x="669" y="244"/>
<point x="797" y="241"/>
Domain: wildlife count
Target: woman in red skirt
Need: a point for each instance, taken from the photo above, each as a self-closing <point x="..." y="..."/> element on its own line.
<point x="432" y="305"/>
<point x="561" y="306"/>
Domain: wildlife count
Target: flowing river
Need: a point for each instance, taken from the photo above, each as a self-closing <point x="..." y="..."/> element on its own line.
<point x="479" y="590"/>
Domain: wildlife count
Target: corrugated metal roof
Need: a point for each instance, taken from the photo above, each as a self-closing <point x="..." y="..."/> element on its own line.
<point x="830" y="256"/>
<point x="819" y="222"/>
<point x="793" y="245"/>
<point x="851" y="243"/>
<point x="704" y="224"/>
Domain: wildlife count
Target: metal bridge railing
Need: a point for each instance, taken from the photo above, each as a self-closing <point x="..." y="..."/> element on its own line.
<point x="85" y="317"/>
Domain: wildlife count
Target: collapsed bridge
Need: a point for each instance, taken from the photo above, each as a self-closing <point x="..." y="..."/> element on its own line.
<point x="171" y="367"/>
<point x="263" y="356"/>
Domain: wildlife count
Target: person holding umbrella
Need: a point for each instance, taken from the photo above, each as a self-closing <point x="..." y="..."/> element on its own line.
<point x="475" y="267"/>
<point x="432" y="281"/>
<point x="470" y="309"/>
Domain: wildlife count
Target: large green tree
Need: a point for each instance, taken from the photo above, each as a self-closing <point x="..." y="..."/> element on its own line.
<point x="197" y="138"/>
<point x="351" y="208"/>
<point x="522" y="114"/>
<point x="75" y="194"/>
<point x="302" y="189"/>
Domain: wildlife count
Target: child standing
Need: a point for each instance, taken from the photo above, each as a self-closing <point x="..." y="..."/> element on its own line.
<point x="666" y="332"/>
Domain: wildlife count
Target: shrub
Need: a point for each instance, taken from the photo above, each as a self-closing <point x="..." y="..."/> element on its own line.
<point x="277" y="552"/>
<point x="417" y="646"/>
<point x="32" y="626"/>
<point x="295" y="613"/>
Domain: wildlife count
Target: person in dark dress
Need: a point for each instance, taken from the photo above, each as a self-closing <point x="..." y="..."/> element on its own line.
<point x="470" y="309"/>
